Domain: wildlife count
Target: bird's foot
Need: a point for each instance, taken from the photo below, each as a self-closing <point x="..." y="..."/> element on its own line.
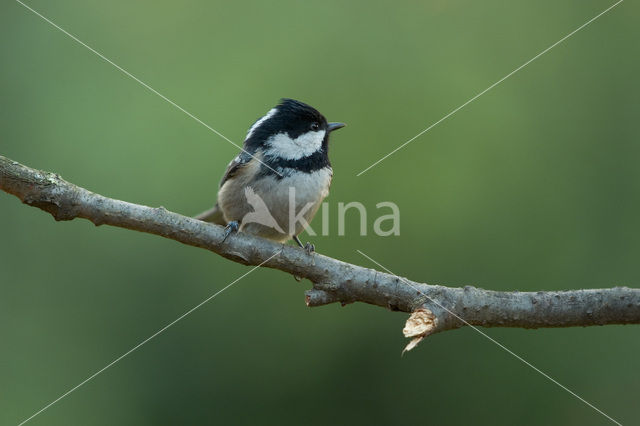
<point x="231" y="227"/>
<point x="309" y="248"/>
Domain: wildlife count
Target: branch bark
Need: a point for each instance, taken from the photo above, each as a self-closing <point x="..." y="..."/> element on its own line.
<point x="434" y="308"/>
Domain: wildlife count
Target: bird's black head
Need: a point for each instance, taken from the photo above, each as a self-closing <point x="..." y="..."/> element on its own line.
<point x="292" y="130"/>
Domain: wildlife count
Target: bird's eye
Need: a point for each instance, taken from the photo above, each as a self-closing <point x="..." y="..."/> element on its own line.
<point x="315" y="126"/>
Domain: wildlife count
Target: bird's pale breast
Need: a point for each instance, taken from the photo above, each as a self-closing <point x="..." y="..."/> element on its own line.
<point x="304" y="191"/>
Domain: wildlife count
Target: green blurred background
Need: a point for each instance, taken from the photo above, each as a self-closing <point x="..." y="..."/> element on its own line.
<point x="534" y="186"/>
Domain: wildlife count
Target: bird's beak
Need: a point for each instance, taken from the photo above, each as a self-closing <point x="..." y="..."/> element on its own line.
<point x="335" y="126"/>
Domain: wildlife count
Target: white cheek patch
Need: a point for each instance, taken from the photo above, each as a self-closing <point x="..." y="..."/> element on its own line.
<point x="281" y="145"/>
<point x="257" y="124"/>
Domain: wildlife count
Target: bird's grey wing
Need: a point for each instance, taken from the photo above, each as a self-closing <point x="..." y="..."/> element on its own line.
<point x="215" y="214"/>
<point x="235" y="166"/>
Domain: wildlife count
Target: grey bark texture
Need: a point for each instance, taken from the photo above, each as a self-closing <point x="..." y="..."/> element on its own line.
<point x="435" y="308"/>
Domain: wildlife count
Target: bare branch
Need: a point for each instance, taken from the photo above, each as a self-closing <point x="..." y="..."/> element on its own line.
<point x="436" y="308"/>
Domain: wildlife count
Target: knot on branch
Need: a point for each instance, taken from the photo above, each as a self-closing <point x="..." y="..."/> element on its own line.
<point x="315" y="297"/>
<point x="322" y="294"/>
<point x="59" y="209"/>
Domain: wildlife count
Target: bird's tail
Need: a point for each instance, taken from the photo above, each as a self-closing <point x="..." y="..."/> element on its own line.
<point x="213" y="215"/>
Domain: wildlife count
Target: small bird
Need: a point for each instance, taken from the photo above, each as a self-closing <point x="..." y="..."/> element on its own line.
<point x="275" y="186"/>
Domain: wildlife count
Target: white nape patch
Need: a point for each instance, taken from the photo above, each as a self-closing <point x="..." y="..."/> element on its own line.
<point x="283" y="146"/>
<point x="257" y="124"/>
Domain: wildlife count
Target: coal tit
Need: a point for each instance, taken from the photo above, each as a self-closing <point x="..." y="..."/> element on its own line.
<point x="275" y="186"/>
